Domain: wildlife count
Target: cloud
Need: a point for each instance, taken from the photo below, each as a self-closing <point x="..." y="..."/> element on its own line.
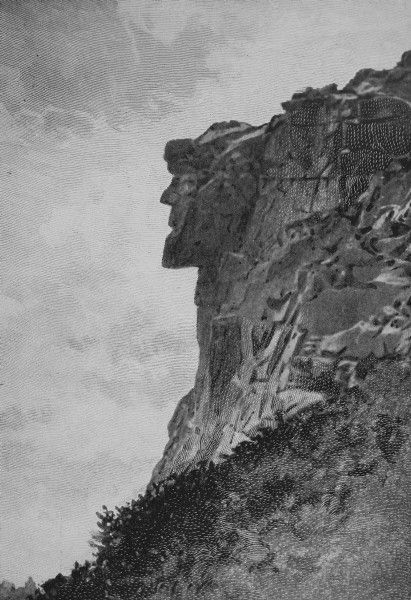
<point x="92" y="358"/>
<point x="64" y="64"/>
<point x="290" y="45"/>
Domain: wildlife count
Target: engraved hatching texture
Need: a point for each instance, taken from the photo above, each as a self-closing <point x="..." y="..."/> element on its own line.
<point x="300" y="230"/>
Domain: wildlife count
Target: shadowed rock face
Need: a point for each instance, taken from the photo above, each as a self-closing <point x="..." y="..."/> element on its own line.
<point x="300" y="229"/>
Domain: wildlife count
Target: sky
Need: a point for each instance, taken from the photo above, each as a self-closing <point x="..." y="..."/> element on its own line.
<point x="97" y="340"/>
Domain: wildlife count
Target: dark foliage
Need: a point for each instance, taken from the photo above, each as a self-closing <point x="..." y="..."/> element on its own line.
<point x="190" y="523"/>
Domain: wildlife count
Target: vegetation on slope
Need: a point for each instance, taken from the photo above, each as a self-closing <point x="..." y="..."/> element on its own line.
<point x="8" y="591"/>
<point x="257" y="521"/>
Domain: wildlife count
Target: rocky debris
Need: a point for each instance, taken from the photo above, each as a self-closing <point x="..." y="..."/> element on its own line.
<point x="300" y="230"/>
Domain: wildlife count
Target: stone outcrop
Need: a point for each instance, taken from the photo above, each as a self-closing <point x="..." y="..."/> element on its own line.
<point x="300" y="230"/>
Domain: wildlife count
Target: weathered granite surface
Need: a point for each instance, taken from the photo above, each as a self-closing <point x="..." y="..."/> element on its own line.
<point x="300" y="230"/>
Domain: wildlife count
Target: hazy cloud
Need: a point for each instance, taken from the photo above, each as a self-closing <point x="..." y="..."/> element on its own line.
<point x="64" y="64"/>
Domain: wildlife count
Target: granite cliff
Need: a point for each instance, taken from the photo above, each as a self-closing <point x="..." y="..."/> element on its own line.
<point x="300" y="230"/>
<point x="287" y="472"/>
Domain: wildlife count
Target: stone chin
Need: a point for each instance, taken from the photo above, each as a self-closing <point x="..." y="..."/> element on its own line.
<point x="175" y="256"/>
<point x="182" y="251"/>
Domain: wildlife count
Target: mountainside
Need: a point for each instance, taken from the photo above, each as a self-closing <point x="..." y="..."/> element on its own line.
<point x="300" y="232"/>
<point x="287" y="472"/>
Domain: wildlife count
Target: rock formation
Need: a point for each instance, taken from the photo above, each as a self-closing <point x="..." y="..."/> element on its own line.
<point x="300" y="230"/>
<point x="287" y="472"/>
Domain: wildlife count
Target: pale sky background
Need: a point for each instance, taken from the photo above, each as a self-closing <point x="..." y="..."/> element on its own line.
<point x="97" y="340"/>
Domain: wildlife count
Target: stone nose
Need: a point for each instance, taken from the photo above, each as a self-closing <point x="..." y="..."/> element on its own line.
<point x="169" y="196"/>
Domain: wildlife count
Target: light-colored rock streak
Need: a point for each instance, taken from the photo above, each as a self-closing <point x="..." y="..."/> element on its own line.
<point x="244" y="138"/>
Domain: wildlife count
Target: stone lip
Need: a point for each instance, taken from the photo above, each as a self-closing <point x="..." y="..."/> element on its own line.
<point x="300" y="229"/>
